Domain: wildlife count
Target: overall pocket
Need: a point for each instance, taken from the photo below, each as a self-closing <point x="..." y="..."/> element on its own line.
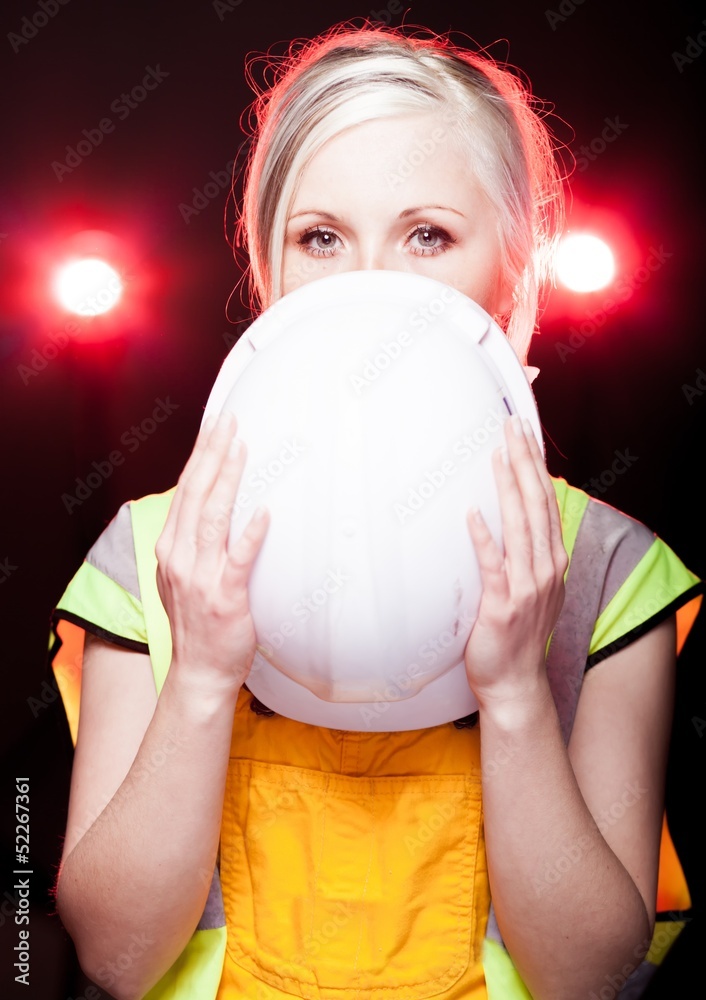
<point x="338" y="886"/>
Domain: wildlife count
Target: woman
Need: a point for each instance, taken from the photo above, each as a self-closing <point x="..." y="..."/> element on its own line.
<point x="376" y="148"/>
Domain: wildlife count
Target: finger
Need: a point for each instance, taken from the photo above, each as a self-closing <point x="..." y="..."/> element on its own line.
<point x="555" y="534"/>
<point x="528" y="473"/>
<point x="200" y="479"/>
<point x="165" y="541"/>
<point x="491" y="563"/>
<point x="217" y="510"/>
<point x="244" y="550"/>
<point x="515" y="522"/>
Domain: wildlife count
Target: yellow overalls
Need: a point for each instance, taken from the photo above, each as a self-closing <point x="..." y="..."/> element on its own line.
<point x="352" y="864"/>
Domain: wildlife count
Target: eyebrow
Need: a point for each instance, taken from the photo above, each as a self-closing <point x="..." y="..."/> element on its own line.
<point x="403" y="214"/>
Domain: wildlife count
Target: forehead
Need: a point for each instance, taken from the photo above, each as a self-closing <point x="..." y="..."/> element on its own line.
<point x="394" y="158"/>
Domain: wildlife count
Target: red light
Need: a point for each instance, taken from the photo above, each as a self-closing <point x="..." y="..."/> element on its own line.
<point x="88" y="286"/>
<point x="585" y="263"/>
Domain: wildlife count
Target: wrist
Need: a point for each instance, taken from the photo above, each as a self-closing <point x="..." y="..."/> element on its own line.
<point x="513" y="707"/>
<point x="199" y="692"/>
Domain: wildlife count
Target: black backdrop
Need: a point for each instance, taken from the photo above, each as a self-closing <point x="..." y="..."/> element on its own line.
<point x="635" y="385"/>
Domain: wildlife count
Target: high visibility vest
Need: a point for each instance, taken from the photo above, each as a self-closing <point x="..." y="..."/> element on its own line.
<point x="306" y="935"/>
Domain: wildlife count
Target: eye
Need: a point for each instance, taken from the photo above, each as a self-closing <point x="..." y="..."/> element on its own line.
<point x="433" y="240"/>
<point x="318" y="241"/>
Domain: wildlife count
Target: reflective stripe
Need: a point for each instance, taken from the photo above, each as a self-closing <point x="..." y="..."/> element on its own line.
<point x="608" y="547"/>
<point x="213" y="915"/>
<point x="629" y="541"/>
<point x="113" y="552"/>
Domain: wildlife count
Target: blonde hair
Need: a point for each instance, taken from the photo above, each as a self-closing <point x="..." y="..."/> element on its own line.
<point x="349" y="75"/>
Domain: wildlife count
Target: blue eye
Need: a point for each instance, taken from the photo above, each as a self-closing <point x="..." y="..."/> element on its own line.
<point x="307" y="238"/>
<point x="442" y="240"/>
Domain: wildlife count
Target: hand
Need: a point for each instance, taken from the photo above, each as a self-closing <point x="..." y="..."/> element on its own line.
<point x="522" y="588"/>
<point x="202" y="573"/>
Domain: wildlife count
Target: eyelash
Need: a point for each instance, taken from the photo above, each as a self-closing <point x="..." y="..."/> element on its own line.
<point x="304" y="240"/>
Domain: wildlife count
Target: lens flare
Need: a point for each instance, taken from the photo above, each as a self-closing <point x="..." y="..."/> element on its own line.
<point x="88" y="287"/>
<point x="585" y="263"/>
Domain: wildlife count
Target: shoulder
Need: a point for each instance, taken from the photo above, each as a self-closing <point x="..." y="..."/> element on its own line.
<point x="105" y="594"/>
<point x="114" y="551"/>
<point x="581" y="510"/>
<point x="631" y="576"/>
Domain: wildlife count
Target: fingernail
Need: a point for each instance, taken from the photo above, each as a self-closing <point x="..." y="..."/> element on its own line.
<point x="527" y="428"/>
<point x="516" y="425"/>
<point x="235" y="447"/>
<point x="208" y="424"/>
<point x="259" y="513"/>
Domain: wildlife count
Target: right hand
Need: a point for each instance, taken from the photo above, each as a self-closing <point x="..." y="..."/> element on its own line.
<point x="203" y="574"/>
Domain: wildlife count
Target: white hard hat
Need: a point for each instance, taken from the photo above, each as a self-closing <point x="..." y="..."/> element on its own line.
<point x="370" y="403"/>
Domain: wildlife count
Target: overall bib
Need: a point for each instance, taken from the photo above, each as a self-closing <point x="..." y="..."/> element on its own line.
<point x="352" y="864"/>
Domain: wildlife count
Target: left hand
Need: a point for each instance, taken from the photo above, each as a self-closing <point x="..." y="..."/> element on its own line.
<point x="522" y="588"/>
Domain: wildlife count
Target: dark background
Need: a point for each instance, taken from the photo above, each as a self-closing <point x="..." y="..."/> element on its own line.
<point x="636" y="384"/>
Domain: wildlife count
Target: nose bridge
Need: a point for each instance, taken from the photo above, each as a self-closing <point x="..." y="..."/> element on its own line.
<point x="374" y="254"/>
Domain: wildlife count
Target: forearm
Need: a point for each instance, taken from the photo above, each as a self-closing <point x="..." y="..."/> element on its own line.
<point x="137" y="881"/>
<point x="569" y="912"/>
